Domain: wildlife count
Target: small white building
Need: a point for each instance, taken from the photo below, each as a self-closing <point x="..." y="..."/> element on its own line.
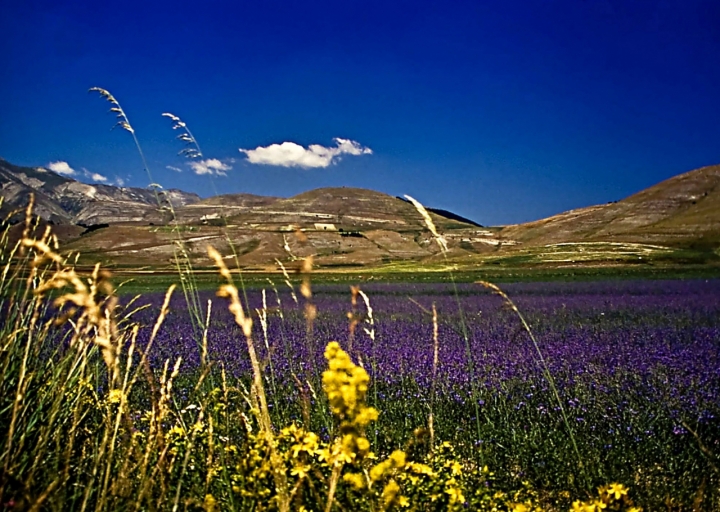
<point x="321" y="226"/>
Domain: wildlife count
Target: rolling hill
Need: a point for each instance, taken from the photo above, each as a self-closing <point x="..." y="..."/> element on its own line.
<point x="683" y="211"/>
<point x="340" y="226"/>
<point x="347" y="227"/>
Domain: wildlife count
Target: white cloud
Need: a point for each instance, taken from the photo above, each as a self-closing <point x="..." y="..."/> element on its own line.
<point x="94" y="176"/>
<point x="289" y="154"/>
<point x="210" y="166"/>
<point x="61" y="167"/>
<point x="97" y="177"/>
<point x="173" y="168"/>
<point x="119" y="181"/>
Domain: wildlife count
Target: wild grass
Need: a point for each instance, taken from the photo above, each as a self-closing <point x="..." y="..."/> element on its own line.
<point x="181" y="258"/>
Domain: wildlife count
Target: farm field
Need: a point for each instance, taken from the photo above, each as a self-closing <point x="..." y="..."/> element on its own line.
<point x="636" y="365"/>
<point x="151" y="281"/>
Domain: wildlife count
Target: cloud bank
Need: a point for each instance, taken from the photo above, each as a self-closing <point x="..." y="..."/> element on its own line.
<point x="61" y="167"/>
<point x="289" y="154"/>
<point x="96" y="177"/>
<point x="64" y="169"/>
<point x="93" y="176"/>
<point x="210" y="166"/>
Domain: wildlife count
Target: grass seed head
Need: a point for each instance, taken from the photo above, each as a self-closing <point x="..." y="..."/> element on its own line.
<point x="429" y="223"/>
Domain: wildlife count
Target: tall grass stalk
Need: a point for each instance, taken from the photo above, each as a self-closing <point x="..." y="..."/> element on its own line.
<point x="181" y="258"/>
<point x="546" y="371"/>
<point x="433" y="388"/>
<point x="193" y="151"/>
<point x="262" y="314"/>
<point x="469" y="360"/>
<point x="230" y="292"/>
<point x="370" y="331"/>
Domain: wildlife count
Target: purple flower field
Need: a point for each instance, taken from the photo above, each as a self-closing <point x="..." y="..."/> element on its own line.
<point x="636" y="365"/>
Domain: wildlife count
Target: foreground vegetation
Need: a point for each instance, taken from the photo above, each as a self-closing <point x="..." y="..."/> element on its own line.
<point x="100" y="412"/>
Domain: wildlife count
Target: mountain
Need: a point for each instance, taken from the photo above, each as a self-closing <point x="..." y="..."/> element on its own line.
<point x="63" y="200"/>
<point x="340" y="226"/>
<point x="683" y="211"/>
<point x="353" y="227"/>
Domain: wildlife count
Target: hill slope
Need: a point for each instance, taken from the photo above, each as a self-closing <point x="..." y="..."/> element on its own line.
<point x="683" y="211"/>
<point x="347" y="227"/>
<point x="341" y="227"/>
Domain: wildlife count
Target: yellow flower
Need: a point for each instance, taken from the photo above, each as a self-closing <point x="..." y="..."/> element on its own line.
<point x="323" y="454"/>
<point x="209" y="503"/>
<point x="390" y="491"/>
<point x="363" y="445"/>
<point x="296" y="449"/>
<point x="356" y="480"/>
<point x="366" y="416"/>
<point x="377" y="471"/>
<point x="290" y="429"/>
<point x="617" y="491"/>
<point x="421" y="469"/>
<point x="398" y="458"/>
<point x="177" y="431"/>
<point x="115" y="396"/>
<point x="456" y="495"/>
<point x="395" y="461"/>
<point x="300" y="470"/>
<point x="456" y="468"/>
<point x="346" y="385"/>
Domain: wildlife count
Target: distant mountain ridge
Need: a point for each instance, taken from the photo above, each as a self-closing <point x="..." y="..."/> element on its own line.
<point x="61" y="199"/>
<point x="348" y="227"/>
<point x="342" y="226"/>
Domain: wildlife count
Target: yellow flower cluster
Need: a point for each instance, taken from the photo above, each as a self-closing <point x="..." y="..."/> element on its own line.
<point x="396" y="461"/>
<point x="610" y="497"/>
<point x="346" y="385"/>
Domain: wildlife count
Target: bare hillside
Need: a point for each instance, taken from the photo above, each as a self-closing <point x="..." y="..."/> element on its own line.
<point x="681" y="211"/>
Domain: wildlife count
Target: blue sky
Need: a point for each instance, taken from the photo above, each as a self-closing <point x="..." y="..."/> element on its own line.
<point x="500" y="111"/>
